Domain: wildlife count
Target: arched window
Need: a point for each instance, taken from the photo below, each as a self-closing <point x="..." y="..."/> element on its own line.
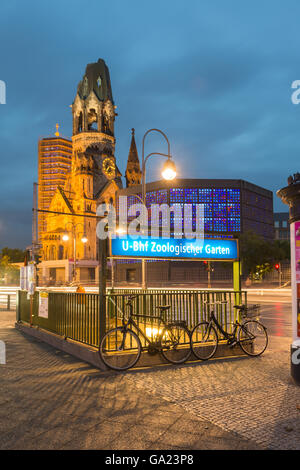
<point x="80" y="122"/>
<point x="92" y="120"/>
<point x="60" y="252"/>
<point x="52" y="254"/>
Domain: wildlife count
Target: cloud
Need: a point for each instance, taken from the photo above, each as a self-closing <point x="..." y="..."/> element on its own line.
<point x="214" y="76"/>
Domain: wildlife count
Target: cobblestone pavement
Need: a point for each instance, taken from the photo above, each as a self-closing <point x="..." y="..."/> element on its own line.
<point x="254" y="397"/>
<point x="51" y="400"/>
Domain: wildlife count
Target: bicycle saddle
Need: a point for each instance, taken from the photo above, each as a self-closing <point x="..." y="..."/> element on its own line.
<point x="163" y="307"/>
<point x="241" y="307"/>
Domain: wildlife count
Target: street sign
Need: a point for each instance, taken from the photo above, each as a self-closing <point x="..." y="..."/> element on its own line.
<point x="172" y="248"/>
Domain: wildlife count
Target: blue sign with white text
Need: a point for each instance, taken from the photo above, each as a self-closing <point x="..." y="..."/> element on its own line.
<point x="174" y="248"/>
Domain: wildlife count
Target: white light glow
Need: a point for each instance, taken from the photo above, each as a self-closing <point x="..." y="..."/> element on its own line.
<point x="169" y="170"/>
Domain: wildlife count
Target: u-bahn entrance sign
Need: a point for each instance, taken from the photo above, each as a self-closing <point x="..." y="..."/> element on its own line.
<point x="173" y="248"/>
<point x="179" y="249"/>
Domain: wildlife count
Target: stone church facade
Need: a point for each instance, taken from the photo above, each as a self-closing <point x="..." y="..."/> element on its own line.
<point x="94" y="178"/>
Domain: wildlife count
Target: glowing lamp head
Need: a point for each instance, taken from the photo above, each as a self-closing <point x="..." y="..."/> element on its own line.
<point x="169" y="170"/>
<point x="65" y="237"/>
<point x="84" y="239"/>
<point x="120" y="231"/>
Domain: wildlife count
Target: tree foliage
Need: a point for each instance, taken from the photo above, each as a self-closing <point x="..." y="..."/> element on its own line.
<point x="9" y="273"/>
<point x="260" y="255"/>
<point x="15" y="255"/>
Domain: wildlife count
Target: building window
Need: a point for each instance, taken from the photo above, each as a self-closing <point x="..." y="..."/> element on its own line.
<point x="130" y="275"/>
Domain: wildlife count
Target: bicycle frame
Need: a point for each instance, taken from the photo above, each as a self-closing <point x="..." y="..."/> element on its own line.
<point x="230" y="336"/>
<point x="131" y="322"/>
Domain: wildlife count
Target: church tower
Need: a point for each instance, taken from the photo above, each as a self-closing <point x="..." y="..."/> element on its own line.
<point x="133" y="172"/>
<point x="93" y="177"/>
<point x="93" y="126"/>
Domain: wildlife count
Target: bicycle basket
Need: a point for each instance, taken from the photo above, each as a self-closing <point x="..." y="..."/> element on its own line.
<point x="251" y="311"/>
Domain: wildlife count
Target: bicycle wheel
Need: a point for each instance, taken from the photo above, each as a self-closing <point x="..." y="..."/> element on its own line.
<point x="252" y="337"/>
<point x="175" y="342"/>
<point x="120" y="349"/>
<point x="204" y="341"/>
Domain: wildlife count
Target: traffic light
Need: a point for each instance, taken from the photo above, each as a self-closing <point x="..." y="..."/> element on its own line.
<point x="277" y="266"/>
<point x="37" y="258"/>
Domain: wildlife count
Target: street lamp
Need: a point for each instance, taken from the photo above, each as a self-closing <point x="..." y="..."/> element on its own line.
<point x="66" y="238"/>
<point x="169" y="170"/>
<point x="168" y="173"/>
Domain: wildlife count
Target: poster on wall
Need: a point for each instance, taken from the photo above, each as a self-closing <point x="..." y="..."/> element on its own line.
<point x="31" y="276"/>
<point x="43" y="304"/>
<point x="23" y="278"/>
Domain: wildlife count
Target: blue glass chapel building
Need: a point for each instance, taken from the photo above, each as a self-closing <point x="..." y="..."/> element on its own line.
<point x="231" y="207"/>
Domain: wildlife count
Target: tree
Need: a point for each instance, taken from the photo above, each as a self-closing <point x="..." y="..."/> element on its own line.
<point x="15" y="254"/>
<point x="259" y="255"/>
<point x="282" y="251"/>
<point x="8" y="272"/>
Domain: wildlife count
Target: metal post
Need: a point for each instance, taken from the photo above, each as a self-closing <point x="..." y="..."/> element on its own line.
<point x="102" y="248"/>
<point x="74" y="260"/>
<point x="112" y="273"/>
<point x="280" y="274"/>
<point x="237" y="283"/>
<point x="144" y="266"/>
<point x="208" y="275"/>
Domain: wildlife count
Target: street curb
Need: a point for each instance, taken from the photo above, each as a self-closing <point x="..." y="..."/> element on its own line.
<point x="90" y="355"/>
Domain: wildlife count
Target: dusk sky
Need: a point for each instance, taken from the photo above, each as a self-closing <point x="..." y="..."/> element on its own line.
<point x="215" y="76"/>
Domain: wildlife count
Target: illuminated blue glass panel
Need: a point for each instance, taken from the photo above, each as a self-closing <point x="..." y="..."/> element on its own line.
<point x="220" y="224"/>
<point x="219" y="195"/>
<point x="176" y="195"/>
<point x="190" y="196"/>
<point x="234" y="225"/>
<point x="208" y="210"/>
<point x="233" y="195"/>
<point x="162" y="196"/>
<point x="219" y="210"/>
<point x="208" y="224"/>
<point x="205" y="195"/>
<point x="234" y="210"/>
<point x="150" y="198"/>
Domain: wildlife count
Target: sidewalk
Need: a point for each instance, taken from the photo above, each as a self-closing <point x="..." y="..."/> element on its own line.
<point x="50" y="400"/>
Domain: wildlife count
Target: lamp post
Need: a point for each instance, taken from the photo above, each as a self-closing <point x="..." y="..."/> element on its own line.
<point x="168" y="173"/>
<point x="66" y="238"/>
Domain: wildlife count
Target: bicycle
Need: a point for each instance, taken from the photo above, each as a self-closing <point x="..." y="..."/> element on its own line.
<point x="121" y="348"/>
<point x="250" y="334"/>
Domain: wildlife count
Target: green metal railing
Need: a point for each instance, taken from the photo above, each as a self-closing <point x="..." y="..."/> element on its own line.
<point x="76" y="316"/>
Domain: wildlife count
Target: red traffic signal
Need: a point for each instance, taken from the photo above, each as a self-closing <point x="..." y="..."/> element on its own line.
<point x="277" y="266"/>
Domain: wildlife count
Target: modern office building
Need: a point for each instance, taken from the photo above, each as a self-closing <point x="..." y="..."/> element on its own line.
<point x="54" y="163"/>
<point x="281" y="226"/>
